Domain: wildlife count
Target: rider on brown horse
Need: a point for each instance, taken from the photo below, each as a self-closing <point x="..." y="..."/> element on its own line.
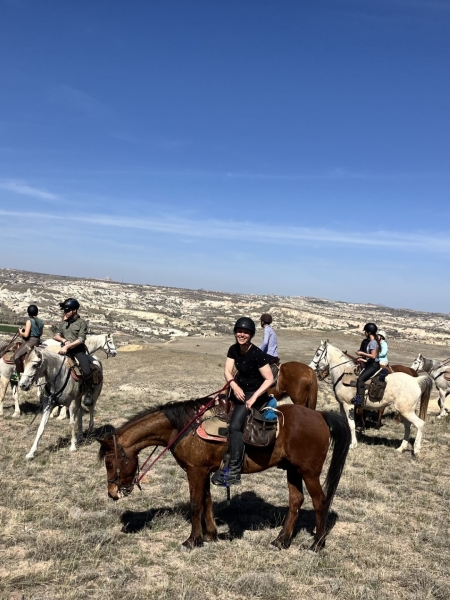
<point x="72" y="333"/>
<point x="248" y="388"/>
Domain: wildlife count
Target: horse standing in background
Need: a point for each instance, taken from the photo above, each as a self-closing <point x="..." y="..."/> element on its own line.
<point x="60" y="387"/>
<point x="299" y="382"/>
<point x="392" y="369"/>
<point x="94" y="342"/>
<point x="440" y="372"/>
<point x="6" y="372"/>
<point x="403" y="392"/>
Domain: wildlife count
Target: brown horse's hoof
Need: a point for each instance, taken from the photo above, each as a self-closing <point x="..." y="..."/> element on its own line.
<point x="210" y="537"/>
<point x="190" y="544"/>
<point x="316" y="546"/>
<point x="281" y="543"/>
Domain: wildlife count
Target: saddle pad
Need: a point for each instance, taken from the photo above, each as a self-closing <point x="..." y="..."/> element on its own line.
<point x="206" y="436"/>
<point x="215" y="427"/>
<point x="349" y="379"/>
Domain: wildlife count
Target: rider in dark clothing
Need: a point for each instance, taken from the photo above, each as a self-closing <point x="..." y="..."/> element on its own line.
<point x="249" y="388"/>
<point x="72" y="333"/>
<point x="372" y="363"/>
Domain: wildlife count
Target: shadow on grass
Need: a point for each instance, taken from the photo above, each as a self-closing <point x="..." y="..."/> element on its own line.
<point x="247" y="511"/>
<point x="381" y="441"/>
<point x="87" y="437"/>
<point x="30" y="408"/>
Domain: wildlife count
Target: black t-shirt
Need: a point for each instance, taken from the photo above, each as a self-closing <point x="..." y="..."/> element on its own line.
<point x="249" y="378"/>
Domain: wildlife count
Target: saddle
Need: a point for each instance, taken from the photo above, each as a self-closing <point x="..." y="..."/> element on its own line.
<point x="76" y="373"/>
<point x="375" y="386"/>
<point x="258" y="431"/>
<point x="9" y="351"/>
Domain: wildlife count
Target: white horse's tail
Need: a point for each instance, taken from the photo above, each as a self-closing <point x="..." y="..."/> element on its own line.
<point x="426" y="385"/>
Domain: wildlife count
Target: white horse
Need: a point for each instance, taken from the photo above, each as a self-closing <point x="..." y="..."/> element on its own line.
<point x="438" y="371"/>
<point x="404" y="392"/>
<point x="60" y="388"/>
<point x="6" y="372"/>
<point x="102" y="341"/>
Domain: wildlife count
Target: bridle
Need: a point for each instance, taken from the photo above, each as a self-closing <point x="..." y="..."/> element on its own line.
<point x="121" y="460"/>
<point x="109" y="351"/>
<point x="323" y="373"/>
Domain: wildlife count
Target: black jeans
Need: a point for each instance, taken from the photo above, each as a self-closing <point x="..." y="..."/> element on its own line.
<point x="80" y="353"/>
<point x="370" y="369"/>
<point x="238" y="418"/>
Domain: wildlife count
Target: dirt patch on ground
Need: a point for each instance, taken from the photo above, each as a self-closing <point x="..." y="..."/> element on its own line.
<point x="62" y="538"/>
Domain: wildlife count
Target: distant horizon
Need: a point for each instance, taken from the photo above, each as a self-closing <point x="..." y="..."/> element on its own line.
<point x="226" y="292"/>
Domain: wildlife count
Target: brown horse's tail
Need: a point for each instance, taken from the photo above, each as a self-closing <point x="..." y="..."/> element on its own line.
<point x="426" y="385"/>
<point x="313" y="391"/>
<point x="340" y="444"/>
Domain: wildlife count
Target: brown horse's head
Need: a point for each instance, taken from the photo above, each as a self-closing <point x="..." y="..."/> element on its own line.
<point x="122" y="467"/>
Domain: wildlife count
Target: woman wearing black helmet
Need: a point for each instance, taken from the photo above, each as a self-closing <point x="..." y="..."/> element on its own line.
<point x="372" y="363"/>
<point x="31" y="335"/>
<point x="248" y="388"/>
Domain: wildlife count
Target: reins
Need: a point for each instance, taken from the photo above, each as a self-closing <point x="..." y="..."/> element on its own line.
<point x="198" y="414"/>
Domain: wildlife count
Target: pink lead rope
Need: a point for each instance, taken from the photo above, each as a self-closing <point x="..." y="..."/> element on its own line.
<point x="144" y="471"/>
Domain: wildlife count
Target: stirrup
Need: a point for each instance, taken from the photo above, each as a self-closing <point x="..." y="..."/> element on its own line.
<point x="357" y="401"/>
<point x="224" y="479"/>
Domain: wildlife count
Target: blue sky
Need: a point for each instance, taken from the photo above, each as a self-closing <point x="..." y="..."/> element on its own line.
<point x="294" y="148"/>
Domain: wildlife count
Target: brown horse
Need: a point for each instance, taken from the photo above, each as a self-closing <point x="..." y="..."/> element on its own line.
<point x="299" y="382"/>
<point x="300" y="449"/>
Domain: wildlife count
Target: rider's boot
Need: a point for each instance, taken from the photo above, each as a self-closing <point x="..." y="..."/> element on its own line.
<point x="358" y="401"/>
<point x="231" y="473"/>
<point x="89" y="386"/>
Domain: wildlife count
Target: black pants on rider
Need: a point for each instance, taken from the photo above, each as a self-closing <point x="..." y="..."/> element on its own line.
<point x="369" y="371"/>
<point x="80" y="353"/>
<point x="236" y="441"/>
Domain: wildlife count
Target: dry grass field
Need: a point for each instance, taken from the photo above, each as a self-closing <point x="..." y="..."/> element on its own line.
<point x="62" y="538"/>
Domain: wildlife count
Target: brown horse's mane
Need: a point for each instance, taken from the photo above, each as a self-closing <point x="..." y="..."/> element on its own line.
<point x="178" y="413"/>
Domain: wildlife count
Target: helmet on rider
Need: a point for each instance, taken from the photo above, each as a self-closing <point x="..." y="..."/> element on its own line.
<point x="32" y="310"/>
<point x="245" y="323"/>
<point x="266" y="318"/>
<point x="69" y="304"/>
<point x="382" y="333"/>
<point x="370" y="328"/>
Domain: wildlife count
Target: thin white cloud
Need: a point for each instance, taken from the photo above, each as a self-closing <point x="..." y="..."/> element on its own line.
<point x="80" y="101"/>
<point x="215" y="229"/>
<point x="19" y="187"/>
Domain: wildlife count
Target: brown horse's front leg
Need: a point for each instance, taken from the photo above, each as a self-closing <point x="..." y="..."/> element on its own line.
<point x="210" y="533"/>
<point x="295" y="486"/>
<point x="197" y="479"/>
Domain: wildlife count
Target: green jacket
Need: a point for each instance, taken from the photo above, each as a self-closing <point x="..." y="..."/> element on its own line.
<point x="75" y="329"/>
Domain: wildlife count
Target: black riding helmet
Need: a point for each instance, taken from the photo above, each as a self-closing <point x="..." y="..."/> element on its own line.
<point x="245" y="323"/>
<point x="370" y="328"/>
<point x="69" y="304"/>
<point x="32" y="310"/>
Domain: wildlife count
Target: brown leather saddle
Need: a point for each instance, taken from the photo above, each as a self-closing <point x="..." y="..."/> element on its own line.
<point x="9" y="351"/>
<point x="258" y="431"/>
<point x="375" y="387"/>
<point x="76" y="373"/>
